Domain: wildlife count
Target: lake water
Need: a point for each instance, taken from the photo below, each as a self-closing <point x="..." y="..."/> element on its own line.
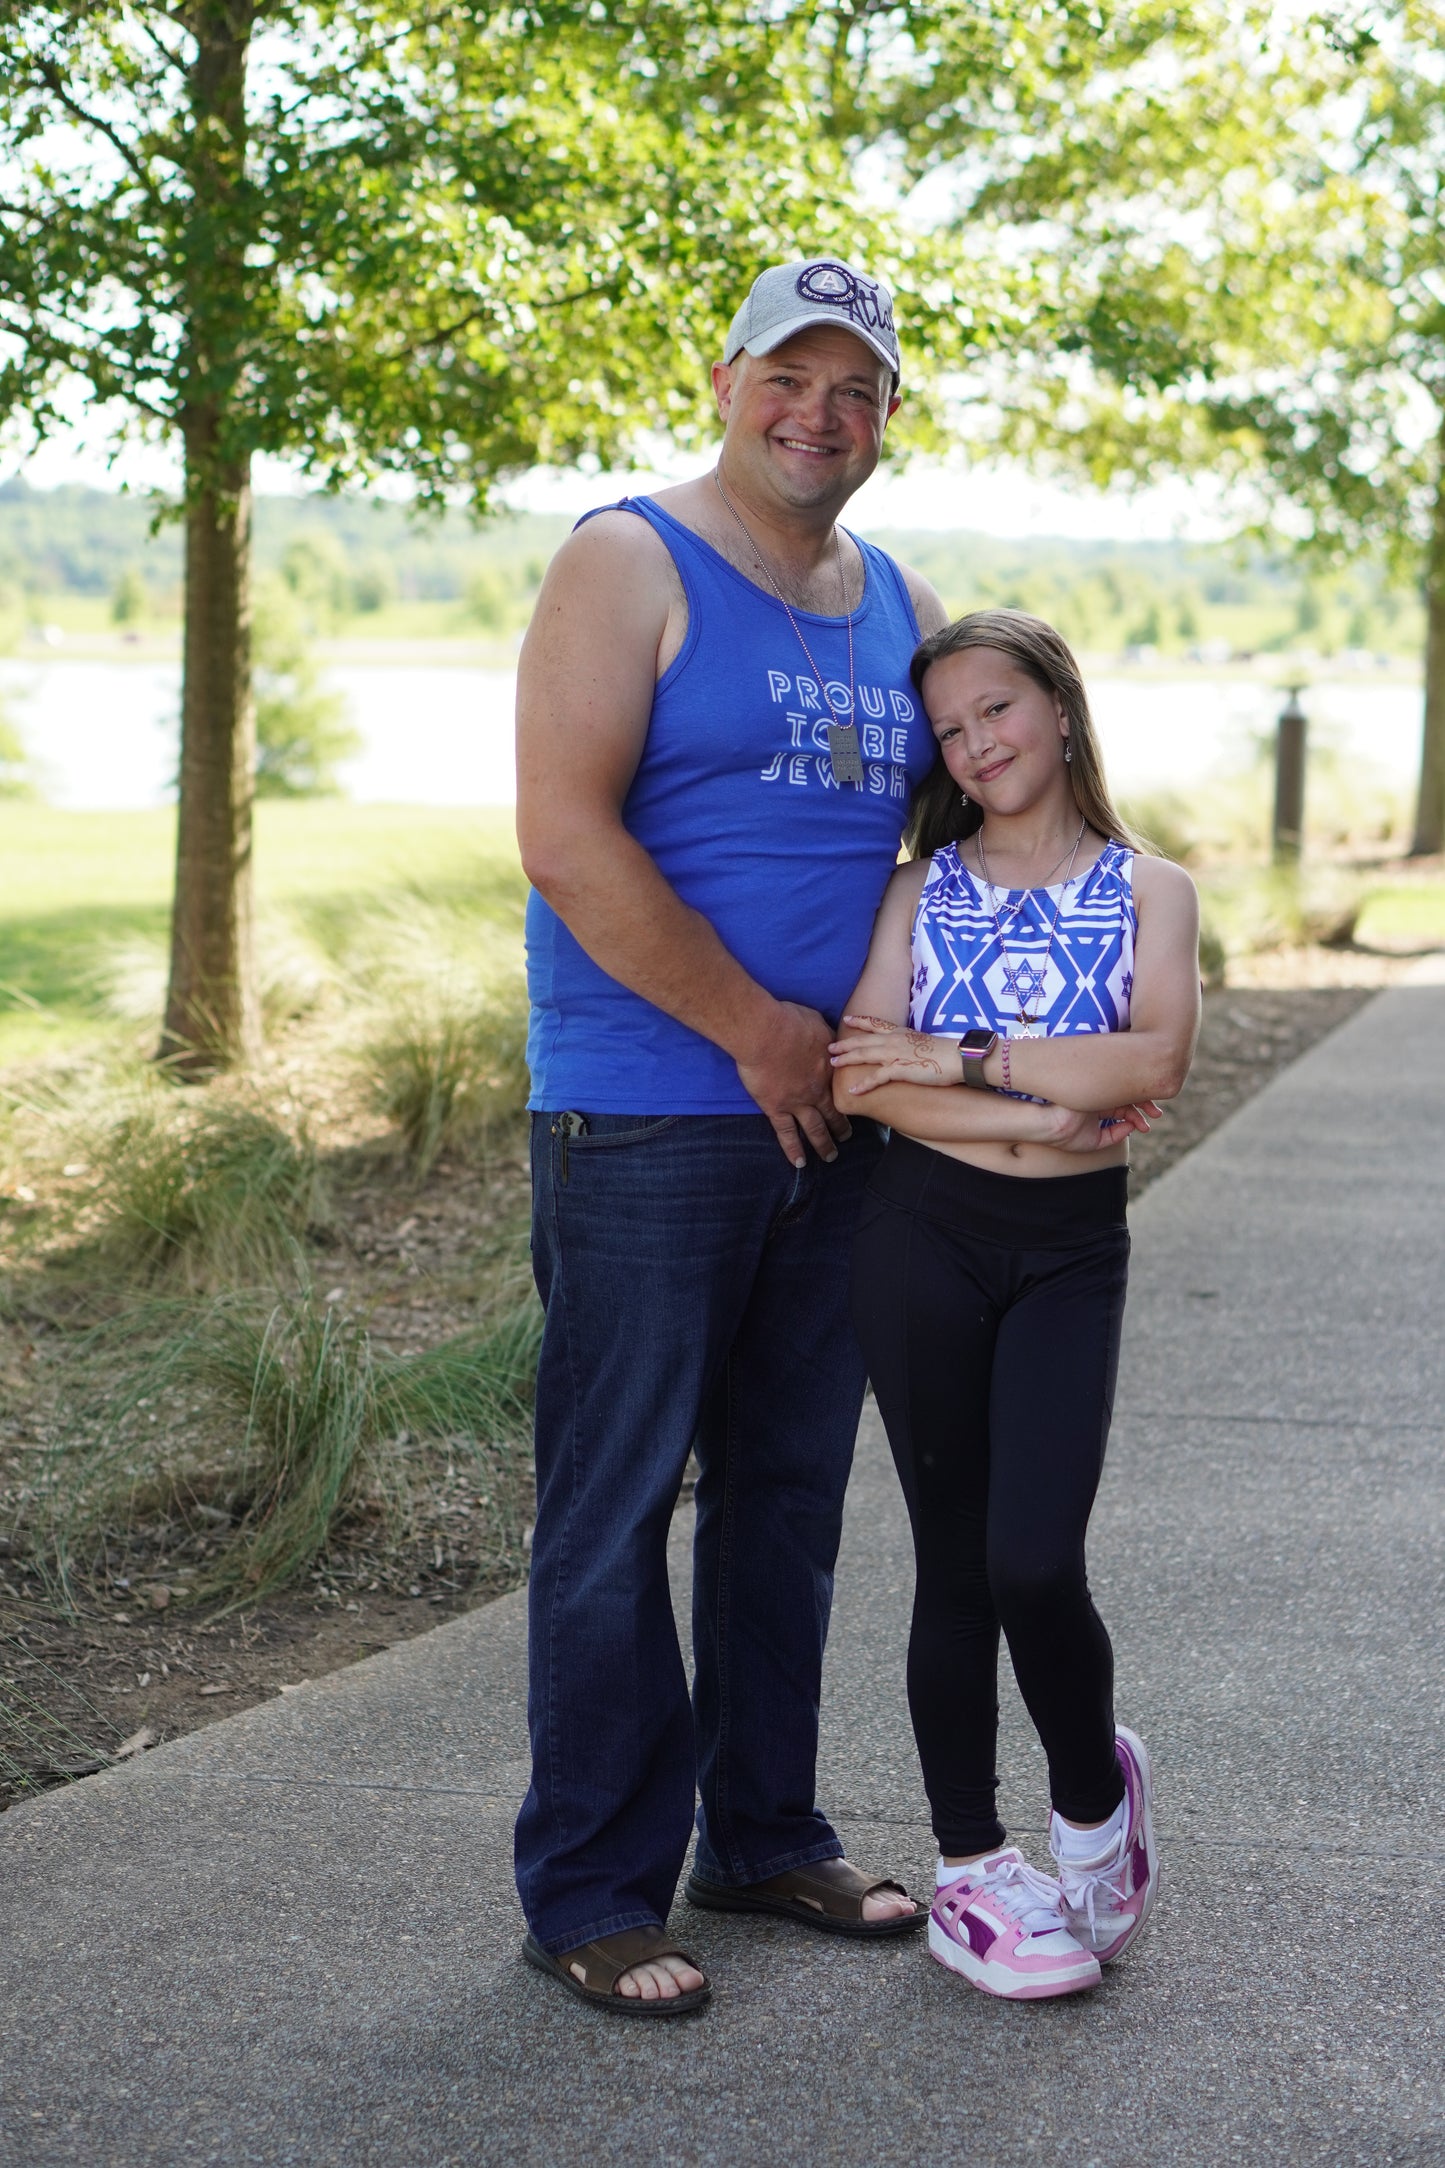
<point x="103" y="734"/>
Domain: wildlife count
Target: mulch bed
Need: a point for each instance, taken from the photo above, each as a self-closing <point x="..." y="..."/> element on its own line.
<point x="131" y="1670"/>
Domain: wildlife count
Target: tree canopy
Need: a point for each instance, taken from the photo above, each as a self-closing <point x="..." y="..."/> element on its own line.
<point x="1235" y="247"/>
<point x="442" y="242"/>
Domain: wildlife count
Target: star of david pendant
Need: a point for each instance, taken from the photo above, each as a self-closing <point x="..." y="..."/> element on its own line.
<point x="1028" y="1029"/>
<point x="844" y="753"/>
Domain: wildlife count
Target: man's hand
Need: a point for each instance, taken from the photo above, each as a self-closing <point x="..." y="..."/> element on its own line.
<point x="792" y="1081"/>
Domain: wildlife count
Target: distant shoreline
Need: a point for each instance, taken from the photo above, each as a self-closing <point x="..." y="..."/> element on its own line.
<point x="465" y="653"/>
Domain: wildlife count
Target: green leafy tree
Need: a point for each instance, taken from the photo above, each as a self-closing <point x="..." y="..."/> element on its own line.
<point x="128" y="598"/>
<point x="302" y="734"/>
<point x="1236" y="240"/>
<point x="316" y="570"/>
<point x="372" y="585"/>
<point x="442" y="241"/>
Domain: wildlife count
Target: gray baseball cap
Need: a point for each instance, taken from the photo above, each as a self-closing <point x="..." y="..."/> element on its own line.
<point x="792" y="296"/>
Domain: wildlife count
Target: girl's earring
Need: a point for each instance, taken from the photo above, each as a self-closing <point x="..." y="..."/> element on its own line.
<point x="1068" y="751"/>
<point x="963" y="797"/>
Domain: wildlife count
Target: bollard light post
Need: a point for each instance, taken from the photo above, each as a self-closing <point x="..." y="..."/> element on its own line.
<point x="1289" y="781"/>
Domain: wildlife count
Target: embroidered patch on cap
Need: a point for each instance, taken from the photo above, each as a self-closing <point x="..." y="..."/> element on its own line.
<point x="863" y="303"/>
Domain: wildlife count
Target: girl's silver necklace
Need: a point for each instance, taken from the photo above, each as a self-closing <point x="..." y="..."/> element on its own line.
<point x="1030" y="1023"/>
<point x="844" y="752"/>
<point x="1013" y="909"/>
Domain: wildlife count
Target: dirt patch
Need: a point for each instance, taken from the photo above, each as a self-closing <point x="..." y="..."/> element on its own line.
<point x="75" y="1689"/>
<point x="132" y="1666"/>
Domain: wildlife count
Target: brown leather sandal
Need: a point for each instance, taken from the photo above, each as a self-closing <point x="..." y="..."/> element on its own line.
<point x="827" y="1895"/>
<point x="604" y="1962"/>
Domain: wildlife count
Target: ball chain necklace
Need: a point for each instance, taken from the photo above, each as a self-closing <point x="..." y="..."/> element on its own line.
<point x="1031" y="1027"/>
<point x="844" y="753"/>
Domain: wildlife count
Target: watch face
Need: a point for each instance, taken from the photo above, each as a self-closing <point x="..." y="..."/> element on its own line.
<point x="977" y="1042"/>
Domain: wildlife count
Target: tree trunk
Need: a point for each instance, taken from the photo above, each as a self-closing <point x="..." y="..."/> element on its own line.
<point x="1429" y="836"/>
<point x="212" y="1011"/>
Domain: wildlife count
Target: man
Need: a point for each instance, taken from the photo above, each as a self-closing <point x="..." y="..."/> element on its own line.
<point x="716" y="741"/>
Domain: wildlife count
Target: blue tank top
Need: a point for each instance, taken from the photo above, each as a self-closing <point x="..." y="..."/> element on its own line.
<point x="961" y="974"/>
<point x="735" y="800"/>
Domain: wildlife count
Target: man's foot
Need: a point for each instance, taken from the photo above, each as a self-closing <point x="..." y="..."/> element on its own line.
<point x="831" y="1895"/>
<point x="1107" y="1899"/>
<point x="1000" y="1925"/>
<point x="662" y="1979"/>
<point x="635" y="1973"/>
<point x="889" y="1903"/>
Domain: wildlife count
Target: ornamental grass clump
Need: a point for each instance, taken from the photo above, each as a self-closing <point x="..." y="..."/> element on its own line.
<point x="215" y="1190"/>
<point x="450" y="1075"/>
<point x="268" y="1430"/>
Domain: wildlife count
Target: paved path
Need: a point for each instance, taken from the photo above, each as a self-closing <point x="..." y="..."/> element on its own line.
<point x="291" y="1938"/>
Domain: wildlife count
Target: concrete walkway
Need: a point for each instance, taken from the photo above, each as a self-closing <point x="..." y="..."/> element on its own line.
<point x="292" y="1938"/>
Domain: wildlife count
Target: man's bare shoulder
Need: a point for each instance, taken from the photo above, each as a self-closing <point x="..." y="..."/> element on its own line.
<point x="927" y="605"/>
<point x="614" y="544"/>
<point x="616" y="571"/>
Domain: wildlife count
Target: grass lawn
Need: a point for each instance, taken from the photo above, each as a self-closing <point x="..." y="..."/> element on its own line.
<point x="85" y="900"/>
<point x="1407" y="916"/>
<point x="78" y="890"/>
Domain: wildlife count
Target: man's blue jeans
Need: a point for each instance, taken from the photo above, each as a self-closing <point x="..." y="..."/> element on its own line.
<point x="696" y="1296"/>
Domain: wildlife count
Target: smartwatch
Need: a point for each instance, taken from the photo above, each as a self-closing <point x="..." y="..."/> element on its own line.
<point x="974" y="1049"/>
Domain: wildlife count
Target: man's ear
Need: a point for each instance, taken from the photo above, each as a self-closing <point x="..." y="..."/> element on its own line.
<point x="895" y="401"/>
<point x="722" y="386"/>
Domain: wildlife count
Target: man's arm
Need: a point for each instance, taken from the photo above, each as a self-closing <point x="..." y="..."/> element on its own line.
<point x="585" y="685"/>
<point x="927" y="608"/>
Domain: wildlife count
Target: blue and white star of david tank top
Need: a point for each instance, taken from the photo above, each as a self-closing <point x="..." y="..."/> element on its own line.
<point x="964" y="979"/>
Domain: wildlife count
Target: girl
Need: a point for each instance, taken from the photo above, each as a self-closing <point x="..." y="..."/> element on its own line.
<point x="1031" y="992"/>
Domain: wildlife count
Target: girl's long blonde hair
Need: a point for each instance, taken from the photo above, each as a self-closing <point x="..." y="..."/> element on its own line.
<point x="937" y="814"/>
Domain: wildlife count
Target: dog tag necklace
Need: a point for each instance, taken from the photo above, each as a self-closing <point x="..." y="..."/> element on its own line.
<point x="845" y="755"/>
<point x="1032" y="1029"/>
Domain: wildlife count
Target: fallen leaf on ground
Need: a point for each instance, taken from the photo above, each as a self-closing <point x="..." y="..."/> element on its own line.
<point x="292" y="1689"/>
<point x="217" y="1690"/>
<point x="160" y="1596"/>
<point x="135" y="1744"/>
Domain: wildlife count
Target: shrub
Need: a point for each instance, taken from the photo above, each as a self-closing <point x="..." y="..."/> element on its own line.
<point x="215" y="1189"/>
<point x="15" y="776"/>
<point x="1213" y="956"/>
<point x="1285" y="907"/>
<point x="451" y="1075"/>
<point x="302" y="735"/>
<point x="278" y="1424"/>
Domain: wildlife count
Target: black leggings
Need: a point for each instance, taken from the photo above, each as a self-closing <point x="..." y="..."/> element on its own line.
<point x="989" y="1307"/>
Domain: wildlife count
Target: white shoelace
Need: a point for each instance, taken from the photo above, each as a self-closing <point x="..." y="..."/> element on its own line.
<point x="1024" y="1894"/>
<point x="1082" y="1886"/>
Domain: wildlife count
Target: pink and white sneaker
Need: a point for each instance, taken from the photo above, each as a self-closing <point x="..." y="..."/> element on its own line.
<point x="1001" y="1925"/>
<point x="1107" y="1900"/>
